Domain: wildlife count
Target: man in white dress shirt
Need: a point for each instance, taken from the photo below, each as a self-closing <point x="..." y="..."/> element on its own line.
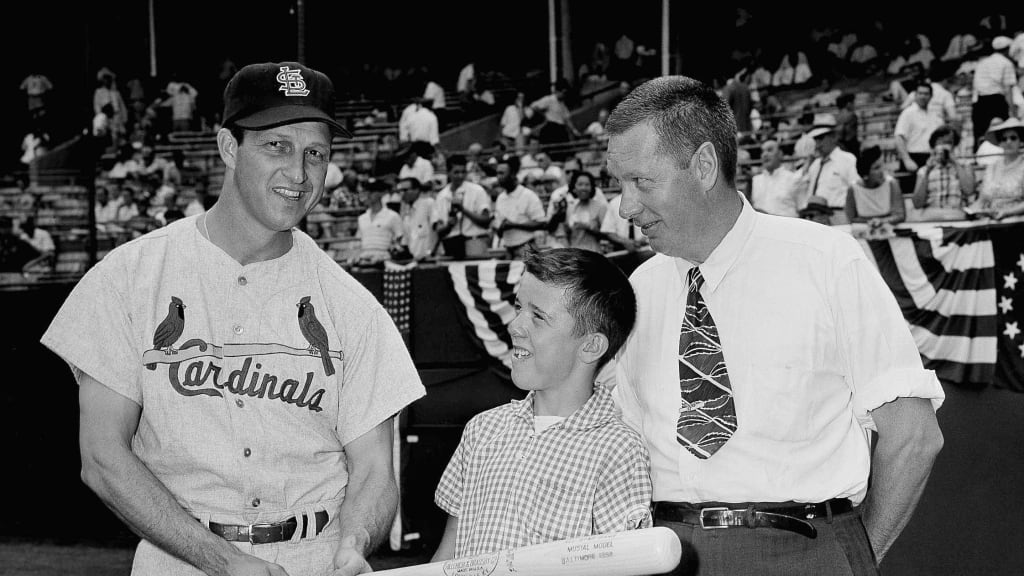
<point x="774" y="190"/>
<point x="810" y="353"/>
<point x="833" y="169"/>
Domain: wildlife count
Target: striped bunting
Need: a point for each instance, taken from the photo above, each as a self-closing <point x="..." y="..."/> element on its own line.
<point x="945" y="282"/>
<point x="487" y="291"/>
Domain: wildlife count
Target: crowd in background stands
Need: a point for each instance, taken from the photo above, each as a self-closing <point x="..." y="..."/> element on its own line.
<point x="953" y="152"/>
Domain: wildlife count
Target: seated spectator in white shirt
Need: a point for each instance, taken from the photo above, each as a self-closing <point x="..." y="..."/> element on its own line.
<point x="774" y="190"/>
<point x="39" y="239"/>
<point x="379" y="228"/>
<point x="959" y="46"/>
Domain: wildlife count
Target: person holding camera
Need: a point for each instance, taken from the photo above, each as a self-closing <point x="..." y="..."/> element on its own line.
<point x="944" y="185"/>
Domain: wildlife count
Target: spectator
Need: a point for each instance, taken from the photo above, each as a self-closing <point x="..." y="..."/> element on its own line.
<point x="595" y="129"/>
<point x="558" y="201"/>
<point x="417" y="164"/>
<point x="826" y="95"/>
<point x="462" y="213"/>
<point x="128" y="164"/>
<point x="584" y="213"/>
<point x="863" y="58"/>
<point x="35" y="144"/>
<point x="418" y="215"/>
<point x="129" y="206"/>
<point x="434" y="94"/>
<point x="512" y="122"/>
<point x="913" y="127"/>
<point x="848" y="124"/>
<point x="802" y="72"/>
<point x="38" y="238"/>
<point x="517" y="211"/>
<point x="833" y="169"/>
<point x="544" y="171"/>
<point x="379" y="228"/>
<point x="15" y="253"/>
<point x="989" y="151"/>
<point x="944" y="185"/>
<point x="1002" y="187"/>
<point x="994" y="79"/>
<point x="105" y="208"/>
<point x="419" y="124"/>
<point x="557" y="127"/>
<point x="182" y="102"/>
<point x="923" y="55"/>
<point x="36" y="86"/>
<point x="737" y="94"/>
<point x="774" y="190"/>
<point x="874" y="198"/>
<point x="783" y="75"/>
<point x="624" y="59"/>
<point x="466" y="83"/>
<point x="942" y="104"/>
<point x="959" y="46"/>
<point x="760" y="78"/>
<point x="107" y="93"/>
<point x="196" y="201"/>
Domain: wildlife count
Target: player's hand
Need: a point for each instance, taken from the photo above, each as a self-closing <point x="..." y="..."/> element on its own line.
<point x="348" y="561"/>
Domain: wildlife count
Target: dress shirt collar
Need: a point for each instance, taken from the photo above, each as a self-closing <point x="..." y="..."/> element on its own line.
<point x="724" y="256"/>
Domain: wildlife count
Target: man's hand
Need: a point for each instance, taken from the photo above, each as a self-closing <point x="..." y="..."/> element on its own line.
<point x="910" y="164"/>
<point x="348" y="561"/>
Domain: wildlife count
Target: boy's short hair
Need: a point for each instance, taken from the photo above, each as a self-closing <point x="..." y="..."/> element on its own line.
<point x="598" y="294"/>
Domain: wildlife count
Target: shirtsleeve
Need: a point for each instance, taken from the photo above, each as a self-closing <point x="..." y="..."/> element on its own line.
<point x="380" y="379"/>
<point x="535" y="210"/>
<point x="93" y="333"/>
<point x="449" y="493"/>
<point x="623" y="499"/>
<point x="882" y="360"/>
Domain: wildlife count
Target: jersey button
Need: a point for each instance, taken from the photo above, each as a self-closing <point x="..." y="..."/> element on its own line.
<point x="239" y="403"/>
<point x="247" y="452"/>
<point x="255" y="502"/>
<point x="242" y="281"/>
<point x="238" y="329"/>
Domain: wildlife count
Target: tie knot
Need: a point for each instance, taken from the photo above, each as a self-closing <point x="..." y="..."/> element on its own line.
<point x="695" y="278"/>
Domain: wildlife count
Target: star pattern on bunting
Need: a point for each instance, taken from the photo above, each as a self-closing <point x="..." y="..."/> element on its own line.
<point x="1011" y="330"/>
<point x="1005" y="304"/>
<point x="1010" y="281"/>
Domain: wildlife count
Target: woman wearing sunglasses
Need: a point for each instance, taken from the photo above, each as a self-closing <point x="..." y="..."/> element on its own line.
<point x="1002" y="187"/>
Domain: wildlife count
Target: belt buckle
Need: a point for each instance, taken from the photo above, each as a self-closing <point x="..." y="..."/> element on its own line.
<point x="714" y="509"/>
<point x="250" y="531"/>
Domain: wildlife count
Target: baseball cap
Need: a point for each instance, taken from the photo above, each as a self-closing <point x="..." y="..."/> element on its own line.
<point x="823" y="124"/>
<point x="270" y="94"/>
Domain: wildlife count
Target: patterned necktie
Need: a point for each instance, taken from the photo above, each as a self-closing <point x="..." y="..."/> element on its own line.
<point x="707" y="417"/>
<point x="821" y="168"/>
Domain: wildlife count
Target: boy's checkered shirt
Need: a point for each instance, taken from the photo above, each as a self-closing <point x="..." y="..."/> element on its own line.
<point x="510" y="486"/>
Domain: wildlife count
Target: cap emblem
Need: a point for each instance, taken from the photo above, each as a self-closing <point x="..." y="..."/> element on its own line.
<point x="291" y="81"/>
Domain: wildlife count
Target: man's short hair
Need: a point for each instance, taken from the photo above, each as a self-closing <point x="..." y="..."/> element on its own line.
<point x="511" y="159"/>
<point x="413" y="183"/>
<point x="598" y="294"/>
<point x="455" y="160"/>
<point x="843" y="99"/>
<point x="684" y="113"/>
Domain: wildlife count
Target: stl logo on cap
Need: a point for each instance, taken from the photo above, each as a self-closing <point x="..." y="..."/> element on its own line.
<point x="291" y="81"/>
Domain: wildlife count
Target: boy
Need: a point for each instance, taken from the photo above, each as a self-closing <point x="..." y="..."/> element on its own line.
<point x="559" y="463"/>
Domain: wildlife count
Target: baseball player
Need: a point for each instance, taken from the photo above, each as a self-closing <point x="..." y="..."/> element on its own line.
<point x="236" y="386"/>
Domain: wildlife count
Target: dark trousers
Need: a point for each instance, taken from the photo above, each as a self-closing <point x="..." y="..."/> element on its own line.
<point x="982" y="113"/>
<point x="841" y="548"/>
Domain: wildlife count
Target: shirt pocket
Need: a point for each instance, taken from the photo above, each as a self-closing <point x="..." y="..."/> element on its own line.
<point x="556" y="510"/>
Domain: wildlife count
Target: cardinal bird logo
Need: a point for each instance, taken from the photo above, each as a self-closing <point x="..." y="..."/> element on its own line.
<point x="170" y="329"/>
<point x="314" y="333"/>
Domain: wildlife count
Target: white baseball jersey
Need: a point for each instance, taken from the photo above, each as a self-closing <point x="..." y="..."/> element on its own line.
<point x="251" y="379"/>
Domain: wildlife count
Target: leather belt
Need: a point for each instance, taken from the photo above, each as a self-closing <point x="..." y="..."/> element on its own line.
<point x="791" y="516"/>
<point x="267" y="533"/>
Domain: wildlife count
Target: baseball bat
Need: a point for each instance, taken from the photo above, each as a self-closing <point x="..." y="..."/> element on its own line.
<point x="629" y="553"/>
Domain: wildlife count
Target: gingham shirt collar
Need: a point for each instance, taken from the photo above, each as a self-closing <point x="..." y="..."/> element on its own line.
<point x="595" y="412"/>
